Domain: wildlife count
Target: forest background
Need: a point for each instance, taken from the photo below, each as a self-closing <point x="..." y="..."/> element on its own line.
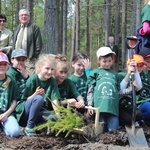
<point x="68" y="26"/>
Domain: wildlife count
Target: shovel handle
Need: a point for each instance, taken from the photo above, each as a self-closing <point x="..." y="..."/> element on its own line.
<point x="97" y="115"/>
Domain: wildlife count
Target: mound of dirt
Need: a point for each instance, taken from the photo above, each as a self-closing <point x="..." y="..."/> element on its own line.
<point x="107" y="141"/>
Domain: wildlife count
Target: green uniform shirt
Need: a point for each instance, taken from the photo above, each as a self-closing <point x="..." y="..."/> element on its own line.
<point x="80" y="83"/>
<point x="145" y="14"/>
<point x="7" y="94"/>
<point x="144" y="94"/>
<point x="20" y="80"/>
<point x="51" y="92"/>
<point x="105" y="90"/>
<point x="68" y="90"/>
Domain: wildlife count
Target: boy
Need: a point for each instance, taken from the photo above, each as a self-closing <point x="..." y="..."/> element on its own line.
<point x="103" y="89"/>
<point x="26" y="110"/>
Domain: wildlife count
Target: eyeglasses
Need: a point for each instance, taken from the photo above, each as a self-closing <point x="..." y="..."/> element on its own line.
<point x="2" y="20"/>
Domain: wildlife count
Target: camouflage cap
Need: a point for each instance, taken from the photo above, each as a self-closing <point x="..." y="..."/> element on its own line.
<point x="18" y="53"/>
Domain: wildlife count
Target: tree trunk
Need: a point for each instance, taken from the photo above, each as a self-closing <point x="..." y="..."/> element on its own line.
<point x="73" y="32"/>
<point x="77" y="26"/>
<point x="107" y="20"/>
<point x="64" y="43"/>
<point x="50" y="26"/>
<point x="87" y="35"/>
<point x="133" y="18"/>
<point x="138" y="11"/>
<point x="30" y="6"/>
<point x="117" y="22"/>
<point x="124" y="48"/>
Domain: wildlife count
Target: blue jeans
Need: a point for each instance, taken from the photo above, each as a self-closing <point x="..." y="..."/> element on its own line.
<point x="111" y="121"/>
<point x="11" y="127"/>
<point x="145" y="109"/>
<point x="33" y="113"/>
<point x="32" y="110"/>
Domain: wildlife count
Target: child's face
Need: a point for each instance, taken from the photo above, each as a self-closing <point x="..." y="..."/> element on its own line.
<point x="18" y="62"/>
<point x="147" y="59"/>
<point x="46" y="71"/>
<point x="79" y="67"/>
<point x="140" y="67"/>
<point x="60" y="74"/>
<point x="105" y="62"/>
<point x="3" y="67"/>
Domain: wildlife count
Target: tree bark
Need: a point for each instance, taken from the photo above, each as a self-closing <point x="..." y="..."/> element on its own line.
<point x="30" y="6"/>
<point x="50" y="26"/>
<point x="64" y="43"/>
<point x="124" y="48"/>
<point x="77" y="26"/>
<point x="107" y="20"/>
<point x="87" y="35"/>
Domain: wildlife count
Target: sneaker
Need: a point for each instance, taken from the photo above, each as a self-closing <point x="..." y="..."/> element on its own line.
<point x="29" y="132"/>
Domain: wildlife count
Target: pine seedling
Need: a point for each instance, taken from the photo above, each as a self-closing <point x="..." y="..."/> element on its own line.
<point x="66" y="121"/>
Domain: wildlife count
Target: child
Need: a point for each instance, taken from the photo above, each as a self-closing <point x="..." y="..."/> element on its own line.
<point x="143" y="32"/>
<point x="26" y="111"/>
<point x="67" y="89"/>
<point x="81" y="65"/>
<point x="9" y="95"/>
<point x="40" y="88"/>
<point x="103" y="89"/>
<point x="125" y="107"/>
<point x="143" y="98"/>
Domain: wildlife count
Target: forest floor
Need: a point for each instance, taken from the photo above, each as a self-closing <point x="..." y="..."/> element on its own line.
<point x="115" y="140"/>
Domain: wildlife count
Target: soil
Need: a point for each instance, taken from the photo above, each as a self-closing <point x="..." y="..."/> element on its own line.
<point x="114" y="140"/>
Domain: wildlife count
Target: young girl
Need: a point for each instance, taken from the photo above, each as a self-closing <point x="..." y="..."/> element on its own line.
<point x="81" y="65"/>
<point x="9" y="94"/>
<point x="67" y="89"/>
<point x="143" y="97"/>
<point x="42" y="87"/>
<point x="125" y="107"/>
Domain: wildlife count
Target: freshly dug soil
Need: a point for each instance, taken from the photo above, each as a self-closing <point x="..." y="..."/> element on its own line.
<point x="114" y="140"/>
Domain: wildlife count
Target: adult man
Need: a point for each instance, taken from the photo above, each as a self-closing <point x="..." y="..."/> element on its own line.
<point x="6" y="41"/>
<point x="28" y="36"/>
<point x="116" y="50"/>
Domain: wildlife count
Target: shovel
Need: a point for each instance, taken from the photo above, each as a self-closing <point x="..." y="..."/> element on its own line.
<point x="135" y="134"/>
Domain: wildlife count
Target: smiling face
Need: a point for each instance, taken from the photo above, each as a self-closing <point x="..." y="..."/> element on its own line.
<point x="46" y="71"/>
<point x="60" y="72"/>
<point x="79" y="67"/>
<point x="106" y="62"/>
<point x="3" y="68"/>
<point x="24" y="17"/>
<point x="2" y="23"/>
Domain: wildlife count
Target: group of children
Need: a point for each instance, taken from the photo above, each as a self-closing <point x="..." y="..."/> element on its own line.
<point x="27" y="98"/>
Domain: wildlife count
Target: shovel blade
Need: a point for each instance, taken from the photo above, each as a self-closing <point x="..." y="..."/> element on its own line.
<point x="136" y="137"/>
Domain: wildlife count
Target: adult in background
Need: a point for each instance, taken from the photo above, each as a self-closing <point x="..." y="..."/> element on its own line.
<point x="115" y="49"/>
<point x="6" y="40"/>
<point x="27" y="36"/>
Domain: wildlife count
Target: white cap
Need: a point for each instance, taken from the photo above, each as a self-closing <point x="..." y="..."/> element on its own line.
<point x="103" y="51"/>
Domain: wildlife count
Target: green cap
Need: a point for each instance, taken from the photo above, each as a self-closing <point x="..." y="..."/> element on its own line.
<point x="18" y="53"/>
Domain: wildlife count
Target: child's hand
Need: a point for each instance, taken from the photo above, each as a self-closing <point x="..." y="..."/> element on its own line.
<point x="22" y="69"/>
<point x="86" y="63"/>
<point x="39" y="91"/>
<point x="132" y="67"/>
<point x="3" y="117"/>
<point x="89" y="112"/>
<point x="71" y="102"/>
<point x="79" y="104"/>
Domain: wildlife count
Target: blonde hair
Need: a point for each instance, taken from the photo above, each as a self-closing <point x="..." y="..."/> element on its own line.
<point x="44" y="58"/>
<point x="61" y="60"/>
